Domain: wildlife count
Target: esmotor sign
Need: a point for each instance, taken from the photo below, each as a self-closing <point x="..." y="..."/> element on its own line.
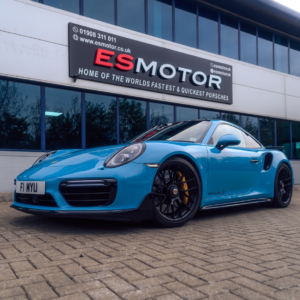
<point x="108" y="58"/>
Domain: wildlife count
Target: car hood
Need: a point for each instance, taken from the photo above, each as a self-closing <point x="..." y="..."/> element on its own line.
<point x="87" y="163"/>
<point x="77" y="157"/>
<point x="97" y="156"/>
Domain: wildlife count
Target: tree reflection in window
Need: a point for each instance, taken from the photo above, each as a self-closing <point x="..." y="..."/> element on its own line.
<point x="133" y="118"/>
<point x="101" y="124"/>
<point x="63" y="119"/>
<point x="250" y="124"/>
<point x="267" y="132"/>
<point x="19" y="116"/>
<point x="283" y="136"/>
<point x="186" y="113"/>
<point x="161" y="114"/>
<point x="232" y="118"/>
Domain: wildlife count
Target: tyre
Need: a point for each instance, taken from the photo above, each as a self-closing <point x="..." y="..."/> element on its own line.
<point x="283" y="187"/>
<point x="176" y="193"/>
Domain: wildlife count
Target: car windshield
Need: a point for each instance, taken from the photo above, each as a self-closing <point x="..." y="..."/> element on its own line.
<point x="186" y="131"/>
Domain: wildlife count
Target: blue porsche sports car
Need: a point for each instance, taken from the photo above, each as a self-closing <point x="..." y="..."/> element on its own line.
<point x="166" y="174"/>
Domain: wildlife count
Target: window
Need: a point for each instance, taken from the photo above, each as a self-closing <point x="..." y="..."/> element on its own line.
<point x="161" y="114"/>
<point x="209" y="115"/>
<point x="232" y="118"/>
<point x="250" y="124"/>
<point x="248" y="43"/>
<point x="283" y="137"/>
<point x="20" y="116"/>
<point x="185" y="113"/>
<point x="295" y="57"/>
<point x="208" y="30"/>
<point x="101" y="127"/>
<point x="71" y="6"/>
<point x="265" y="48"/>
<point x="185" y="23"/>
<point x="281" y="54"/>
<point x="131" y="14"/>
<point x="229" y="37"/>
<point x="224" y="129"/>
<point x="267" y="132"/>
<point x="133" y="118"/>
<point x="63" y="119"/>
<point x="102" y="10"/>
<point x="296" y="140"/>
<point x="160" y="18"/>
<point x="250" y="142"/>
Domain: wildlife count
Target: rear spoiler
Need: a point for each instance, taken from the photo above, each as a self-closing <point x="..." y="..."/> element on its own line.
<point x="280" y="148"/>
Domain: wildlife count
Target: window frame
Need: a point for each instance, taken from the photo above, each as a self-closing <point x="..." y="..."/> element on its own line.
<point x="252" y="137"/>
<point x="236" y="127"/>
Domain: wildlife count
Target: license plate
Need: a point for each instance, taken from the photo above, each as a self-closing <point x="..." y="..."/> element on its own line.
<point x="31" y="187"/>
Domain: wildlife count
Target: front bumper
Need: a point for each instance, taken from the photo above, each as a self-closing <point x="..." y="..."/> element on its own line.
<point x="143" y="212"/>
<point x="134" y="183"/>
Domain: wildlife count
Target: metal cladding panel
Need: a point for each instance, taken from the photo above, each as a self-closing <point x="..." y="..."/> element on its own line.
<point x="267" y="12"/>
<point x="108" y="58"/>
<point x="292" y="107"/>
<point x="296" y="170"/>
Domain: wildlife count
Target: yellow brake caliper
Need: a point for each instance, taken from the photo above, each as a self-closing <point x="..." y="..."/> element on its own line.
<point x="184" y="186"/>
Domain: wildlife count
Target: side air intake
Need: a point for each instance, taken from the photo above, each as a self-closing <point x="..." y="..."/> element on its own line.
<point x="268" y="161"/>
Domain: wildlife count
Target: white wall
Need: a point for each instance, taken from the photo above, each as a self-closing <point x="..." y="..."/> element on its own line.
<point x="296" y="169"/>
<point x="34" y="46"/>
<point x="12" y="163"/>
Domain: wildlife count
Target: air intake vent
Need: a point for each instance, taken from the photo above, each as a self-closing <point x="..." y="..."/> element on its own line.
<point x="89" y="192"/>
<point x="268" y="161"/>
<point x="40" y="200"/>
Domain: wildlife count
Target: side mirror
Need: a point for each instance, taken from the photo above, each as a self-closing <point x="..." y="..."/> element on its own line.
<point x="227" y="140"/>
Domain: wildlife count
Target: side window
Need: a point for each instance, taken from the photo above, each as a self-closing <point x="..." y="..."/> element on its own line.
<point x="224" y="129"/>
<point x="250" y="142"/>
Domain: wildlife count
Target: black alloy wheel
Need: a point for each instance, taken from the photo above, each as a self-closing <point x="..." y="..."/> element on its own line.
<point x="176" y="193"/>
<point x="283" y="188"/>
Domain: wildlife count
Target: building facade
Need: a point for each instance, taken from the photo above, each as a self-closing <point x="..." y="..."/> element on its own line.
<point x="44" y="105"/>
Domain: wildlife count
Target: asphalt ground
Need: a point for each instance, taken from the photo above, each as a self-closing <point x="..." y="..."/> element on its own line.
<point x="247" y="252"/>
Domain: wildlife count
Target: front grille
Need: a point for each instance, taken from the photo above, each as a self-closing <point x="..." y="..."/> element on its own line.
<point x="40" y="200"/>
<point x="89" y="192"/>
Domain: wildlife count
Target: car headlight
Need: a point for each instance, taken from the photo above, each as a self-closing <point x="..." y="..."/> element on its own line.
<point x="125" y="155"/>
<point x="44" y="156"/>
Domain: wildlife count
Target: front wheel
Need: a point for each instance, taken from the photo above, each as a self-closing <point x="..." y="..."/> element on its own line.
<point x="283" y="187"/>
<point x="176" y="193"/>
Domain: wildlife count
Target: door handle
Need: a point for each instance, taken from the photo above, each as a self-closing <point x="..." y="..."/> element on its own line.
<point x="254" y="161"/>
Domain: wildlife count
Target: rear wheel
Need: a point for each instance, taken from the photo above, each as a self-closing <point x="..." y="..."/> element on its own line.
<point x="283" y="188"/>
<point x="176" y="193"/>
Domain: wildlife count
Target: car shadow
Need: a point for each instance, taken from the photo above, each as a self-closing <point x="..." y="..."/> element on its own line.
<point x="81" y="226"/>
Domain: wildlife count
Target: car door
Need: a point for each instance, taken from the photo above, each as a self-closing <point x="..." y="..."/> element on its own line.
<point x="233" y="171"/>
<point x="257" y="160"/>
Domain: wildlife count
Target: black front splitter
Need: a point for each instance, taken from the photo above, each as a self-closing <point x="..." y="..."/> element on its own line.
<point x="143" y="212"/>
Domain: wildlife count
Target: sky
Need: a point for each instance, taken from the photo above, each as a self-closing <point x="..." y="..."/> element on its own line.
<point x="293" y="4"/>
